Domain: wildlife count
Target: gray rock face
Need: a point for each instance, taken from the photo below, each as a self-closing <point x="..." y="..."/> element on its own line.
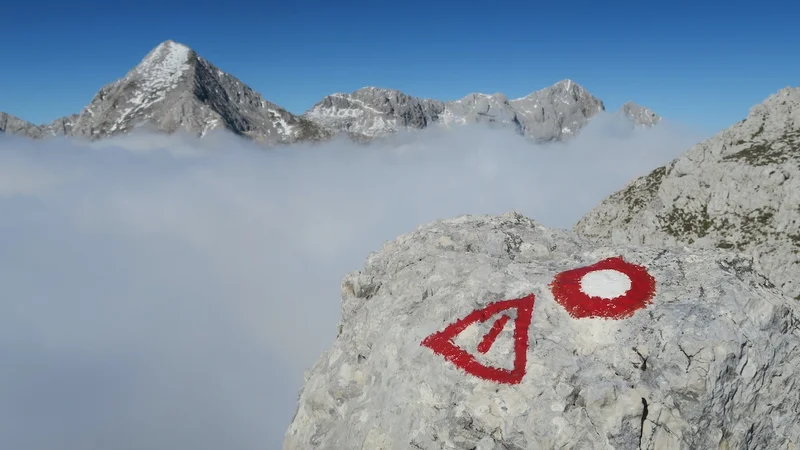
<point x="640" y="115"/>
<point x="557" y="112"/>
<point x="709" y="362"/>
<point x="59" y="127"/>
<point x="14" y="125"/>
<point x="481" y="108"/>
<point x="373" y="112"/>
<point x="739" y="190"/>
<point x="174" y="89"/>
<point x="554" y="113"/>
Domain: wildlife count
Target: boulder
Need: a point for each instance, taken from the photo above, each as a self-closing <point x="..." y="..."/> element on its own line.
<point x="494" y="332"/>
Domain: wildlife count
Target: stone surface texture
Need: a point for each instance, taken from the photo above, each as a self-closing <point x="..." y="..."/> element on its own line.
<point x="739" y="190"/>
<point x="710" y="363"/>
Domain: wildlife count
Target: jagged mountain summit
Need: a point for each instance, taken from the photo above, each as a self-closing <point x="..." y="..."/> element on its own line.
<point x="738" y="190"/>
<point x="173" y="89"/>
<point x="496" y="333"/>
<point x="553" y="113"/>
<point x="640" y="115"/>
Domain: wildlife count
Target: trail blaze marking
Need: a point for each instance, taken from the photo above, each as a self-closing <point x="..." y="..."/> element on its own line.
<point x="491" y="336"/>
<point x="442" y="343"/>
<point x="611" y="288"/>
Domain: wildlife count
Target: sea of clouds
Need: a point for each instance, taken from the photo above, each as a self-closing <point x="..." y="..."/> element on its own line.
<point x="165" y="292"/>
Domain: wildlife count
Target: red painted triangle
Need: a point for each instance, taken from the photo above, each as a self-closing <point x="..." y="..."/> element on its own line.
<point x="442" y="342"/>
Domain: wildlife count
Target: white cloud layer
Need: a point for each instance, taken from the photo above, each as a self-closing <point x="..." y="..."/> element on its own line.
<point x="164" y="292"/>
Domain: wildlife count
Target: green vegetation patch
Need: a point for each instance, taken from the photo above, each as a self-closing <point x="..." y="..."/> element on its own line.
<point x="765" y="153"/>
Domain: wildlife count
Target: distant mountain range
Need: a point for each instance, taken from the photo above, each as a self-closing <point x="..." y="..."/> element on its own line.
<point x="174" y="89"/>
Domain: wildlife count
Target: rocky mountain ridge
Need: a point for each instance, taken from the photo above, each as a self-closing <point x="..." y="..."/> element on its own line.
<point x="174" y="89"/>
<point x="739" y="190"/>
<point x="557" y="112"/>
<point x="372" y="112"/>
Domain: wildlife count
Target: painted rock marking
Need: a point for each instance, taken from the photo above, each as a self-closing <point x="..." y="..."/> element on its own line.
<point x="611" y="288"/>
<point x="442" y="342"/>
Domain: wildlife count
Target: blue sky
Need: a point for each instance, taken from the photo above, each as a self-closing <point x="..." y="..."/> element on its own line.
<point x="699" y="64"/>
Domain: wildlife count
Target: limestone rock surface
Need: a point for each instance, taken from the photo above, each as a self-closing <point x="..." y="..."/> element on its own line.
<point x="174" y="89"/>
<point x="710" y="362"/>
<point x="739" y="190"/>
<point x="640" y="115"/>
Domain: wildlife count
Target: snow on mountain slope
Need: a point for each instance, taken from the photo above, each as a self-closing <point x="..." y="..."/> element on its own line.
<point x="556" y="112"/>
<point x="174" y="89"/>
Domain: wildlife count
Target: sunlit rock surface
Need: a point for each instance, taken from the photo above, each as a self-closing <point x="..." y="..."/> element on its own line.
<point x="709" y="360"/>
<point x="738" y="191"/>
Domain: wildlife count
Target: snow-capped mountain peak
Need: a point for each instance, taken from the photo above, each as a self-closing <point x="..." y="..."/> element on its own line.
<point x="172" y="89"/>
<point x="165" y="64"/>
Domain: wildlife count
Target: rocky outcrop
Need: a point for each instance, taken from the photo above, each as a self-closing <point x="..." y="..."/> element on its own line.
<point x="372" y="112"/>
<point x="482" y="108"/>
<point x="479" y="333"/>
<point x="14" y="125"/>
<point x="739" y="190"/>
<point x="640" y="115"/>
<point x="174" y="89"/>
<point x="59" y="127"/>
<point x="553" y="113"/>
<point x="557" y="112"/>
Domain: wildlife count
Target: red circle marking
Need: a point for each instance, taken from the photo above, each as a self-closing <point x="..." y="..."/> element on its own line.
<point x="567" y="291"/>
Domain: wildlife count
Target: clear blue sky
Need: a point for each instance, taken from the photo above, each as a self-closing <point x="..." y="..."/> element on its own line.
<point x="701" y="64"/>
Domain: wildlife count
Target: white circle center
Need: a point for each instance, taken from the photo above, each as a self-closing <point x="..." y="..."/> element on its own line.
<point x="606" y="283"/>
